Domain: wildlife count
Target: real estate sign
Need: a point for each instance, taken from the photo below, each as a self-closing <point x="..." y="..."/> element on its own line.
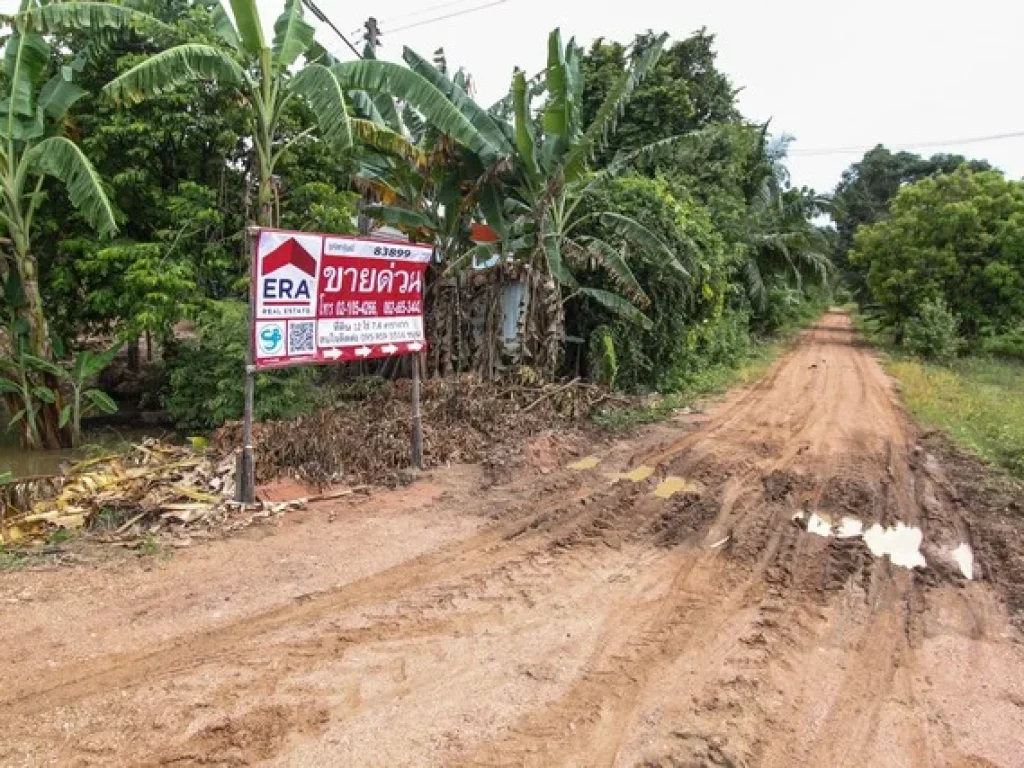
<point x="331" y="298"/>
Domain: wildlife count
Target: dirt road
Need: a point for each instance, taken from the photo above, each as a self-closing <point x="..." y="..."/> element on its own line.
<point x="655" y="605"/>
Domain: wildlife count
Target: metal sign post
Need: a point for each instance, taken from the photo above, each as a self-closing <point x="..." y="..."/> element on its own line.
<point x="245" y="479"/>
<point x="416" y="447"/>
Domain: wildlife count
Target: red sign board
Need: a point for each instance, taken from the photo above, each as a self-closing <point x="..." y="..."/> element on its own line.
<point x="333" y="298"/>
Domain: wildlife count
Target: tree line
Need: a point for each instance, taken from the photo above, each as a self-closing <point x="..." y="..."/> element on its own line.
<point x="645" y="228"/>
<point x="934" y="247"/>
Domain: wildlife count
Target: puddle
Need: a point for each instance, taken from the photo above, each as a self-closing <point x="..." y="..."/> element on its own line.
<point x="672" y="485"/>
<point x="638" y="475"/>
<point x="965" y="559"/>
<point x="822" y="525"/>
<point x="901" y="543"/>
<point x="586" y="463"/>
<point x="850" y="528"/>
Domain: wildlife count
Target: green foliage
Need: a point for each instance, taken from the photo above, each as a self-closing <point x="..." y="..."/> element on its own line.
<point x="957" y="237"/>
<point x="684" y="92"/>
<point x="933" y="333"/>
<point x="603" y="360"/>
<point x="868" y="187"/>
<point x="1007" y="345"/>
<point x="207" y="377"/>
<point x="681" y="304"/>
<point x="35" y="382"/>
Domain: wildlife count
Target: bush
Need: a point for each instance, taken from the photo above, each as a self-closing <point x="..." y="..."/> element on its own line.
<point x="207" y="382"/>
<point x="1009" y="345"/>
<point x="934" y="332"/>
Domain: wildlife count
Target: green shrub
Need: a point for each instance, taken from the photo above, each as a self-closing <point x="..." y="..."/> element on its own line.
<point x="1009" y="345"/>
<point x="207" y="378"/>
<point x="933" y="333"/>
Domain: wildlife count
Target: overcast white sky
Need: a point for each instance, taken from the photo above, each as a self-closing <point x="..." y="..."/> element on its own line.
<point x="835" y="75"/>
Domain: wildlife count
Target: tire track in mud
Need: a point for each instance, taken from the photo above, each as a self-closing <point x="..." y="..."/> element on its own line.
<point x="723" y="633"/>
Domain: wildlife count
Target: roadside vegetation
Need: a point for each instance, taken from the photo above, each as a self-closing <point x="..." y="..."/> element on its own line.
<point x="139" y="141"/>
<point x="934" y="250"/>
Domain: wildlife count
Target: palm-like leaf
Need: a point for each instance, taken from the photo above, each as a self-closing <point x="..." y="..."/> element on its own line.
<point x="399" y="217"/>
<point x="654" y="248"/>
<point x="385" y="140"/>
<point x="64" y="16"/>
<point x="415" y="90"/>
<point x="550" y="241"/>
<point x="222" y="24"/>
<point x="614" y="263"/>
<point x="321" y="89"/>
<point x="611" y="109"/>
<point x="168" y="70"/>
<point x="57" y="96"/>
<point x="25" y="57"/>
<point x="61" y="158"/>
<point x="618" y="305"/>
<point x="293" y="36"/>
<point x="526" y="139"/>
<point x="250" y="28"/>
<point x="755" y="284"/>
<point x="556" y="113"/>
<point x="477" y="115"/>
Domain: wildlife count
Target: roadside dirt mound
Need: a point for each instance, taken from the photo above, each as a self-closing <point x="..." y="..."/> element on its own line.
<point x="800" y="580"/>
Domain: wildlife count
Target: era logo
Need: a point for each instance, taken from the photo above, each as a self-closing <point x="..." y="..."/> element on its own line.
<point x="285" y="288"/>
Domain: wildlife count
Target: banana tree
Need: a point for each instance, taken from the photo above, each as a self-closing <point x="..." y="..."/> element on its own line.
<point x="261" y="73"/>
<point x="33" y="146"/>
<point x="542" y="222"/>
<point x="436" y="196"/>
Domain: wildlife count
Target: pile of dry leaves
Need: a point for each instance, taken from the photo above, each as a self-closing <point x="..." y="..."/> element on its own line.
<point x="180" y="492"/>
<point x="464" y="420"/>
<point x="155" y="488"/>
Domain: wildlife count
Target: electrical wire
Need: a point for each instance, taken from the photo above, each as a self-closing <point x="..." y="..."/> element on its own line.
<point x="315" y="10"/>
<point x="446" y="16"/>
<point x="423" y="11"/>
<point x="905" y="147"/>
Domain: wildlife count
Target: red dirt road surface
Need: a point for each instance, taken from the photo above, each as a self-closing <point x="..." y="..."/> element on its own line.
<point x="656" y="605"/>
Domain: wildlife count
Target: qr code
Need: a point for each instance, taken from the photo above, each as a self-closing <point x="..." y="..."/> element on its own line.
<point x="300" y="337"/>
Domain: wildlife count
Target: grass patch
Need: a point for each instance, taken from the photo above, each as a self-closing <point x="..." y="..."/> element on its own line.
<point x="713" y="380"/>
<point x="978" y="401"/>
<point x="11" y="559"/>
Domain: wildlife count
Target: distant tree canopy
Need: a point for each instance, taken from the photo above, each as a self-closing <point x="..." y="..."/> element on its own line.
<point x="684" y="92"/>
<point x="958" y="237"/>
<point x="869" y="186"/>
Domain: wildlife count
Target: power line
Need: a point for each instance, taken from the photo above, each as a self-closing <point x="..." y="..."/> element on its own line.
<point x="905" y="147"/>
<point x="424" y="11"/>
<point x="447" y="16"/>
<point x="315" y="10"/>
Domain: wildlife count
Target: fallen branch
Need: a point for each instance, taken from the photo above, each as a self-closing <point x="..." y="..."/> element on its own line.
<point x="551" y="394"/>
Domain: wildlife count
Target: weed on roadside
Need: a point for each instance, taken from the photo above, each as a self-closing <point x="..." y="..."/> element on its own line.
<point x="11" y="559"/>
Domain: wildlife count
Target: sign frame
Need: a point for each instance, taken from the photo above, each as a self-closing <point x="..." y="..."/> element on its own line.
<point x="406" y="329"/>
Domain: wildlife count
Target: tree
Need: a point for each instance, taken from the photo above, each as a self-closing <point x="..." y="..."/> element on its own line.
<point x="261" y="75"/>
<point x="683" y="92"/>
<point x="32" y="147"/>
<point x="867" y="188"/>
<point x="958" y="237"/>
<point x="541" y="220"/>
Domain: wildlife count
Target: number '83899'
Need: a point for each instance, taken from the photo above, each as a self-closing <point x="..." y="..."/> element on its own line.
<point x="392" y="253"/>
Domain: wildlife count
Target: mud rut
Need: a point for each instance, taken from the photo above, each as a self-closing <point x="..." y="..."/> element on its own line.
<point x="594" y="623"/>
